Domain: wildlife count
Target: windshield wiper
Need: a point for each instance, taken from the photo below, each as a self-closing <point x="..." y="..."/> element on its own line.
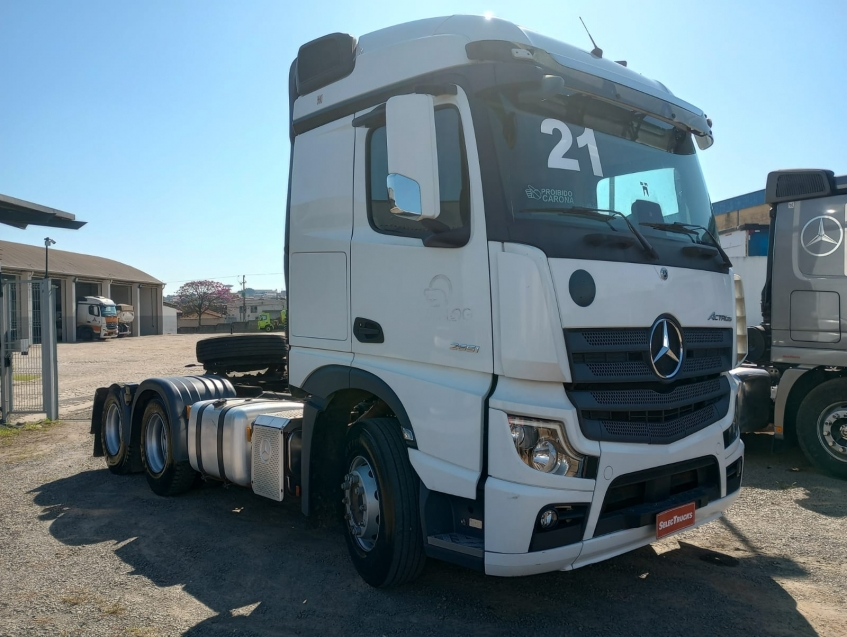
<point x="691" y="229"/>
<point x="602" y="214"/>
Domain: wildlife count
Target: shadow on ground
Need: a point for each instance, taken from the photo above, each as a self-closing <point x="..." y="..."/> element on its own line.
<point x="230" y="550"/>
<point x="789" y="469"/>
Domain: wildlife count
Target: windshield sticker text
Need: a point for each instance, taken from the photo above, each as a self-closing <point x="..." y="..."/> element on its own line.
<point x="557" y="158"/>
<point x="549" y="195"/>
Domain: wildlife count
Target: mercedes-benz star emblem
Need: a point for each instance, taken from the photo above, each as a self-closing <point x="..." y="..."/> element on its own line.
<point x="666" y="349"/>
<point x="265" y="450"/>
<point x="821" y="236"/>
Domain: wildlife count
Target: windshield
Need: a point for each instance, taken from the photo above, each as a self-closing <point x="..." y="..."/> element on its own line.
<point x="560" y="155"/>
<point x="109" y="310"/>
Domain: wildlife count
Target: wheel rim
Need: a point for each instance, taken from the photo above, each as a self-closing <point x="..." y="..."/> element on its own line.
<point x="832" y="431"/>
<point x="156" y="444"/>
<point x="361" y="503"/>
<point x="113" y="430"/>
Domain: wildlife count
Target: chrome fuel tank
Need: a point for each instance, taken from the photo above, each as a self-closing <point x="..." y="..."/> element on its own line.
<point x="219" y="435"/>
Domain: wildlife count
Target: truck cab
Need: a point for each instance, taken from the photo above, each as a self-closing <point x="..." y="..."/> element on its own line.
<point x="508" y="243"/>
<point x="799" y="347"/>
<point x="96" y="318"/>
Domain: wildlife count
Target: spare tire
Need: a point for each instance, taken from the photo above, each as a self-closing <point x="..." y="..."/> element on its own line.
<point x="242" y="353"/>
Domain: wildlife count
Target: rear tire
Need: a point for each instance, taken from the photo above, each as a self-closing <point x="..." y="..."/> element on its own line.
<point x="822" y="427"/>
<point x="116" y="450"/>
<point x="164" y="476"/>
<point x="381" y="504"/>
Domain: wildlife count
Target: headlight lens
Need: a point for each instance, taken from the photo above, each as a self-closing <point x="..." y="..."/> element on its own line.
<point x="542" y="445"/>
<point x="740" y="322"/>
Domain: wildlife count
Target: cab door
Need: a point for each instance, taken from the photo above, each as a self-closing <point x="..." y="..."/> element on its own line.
<point x="421" y="311"/>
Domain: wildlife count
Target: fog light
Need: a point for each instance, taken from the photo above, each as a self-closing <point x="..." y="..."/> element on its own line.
<point x="548" y="519"/>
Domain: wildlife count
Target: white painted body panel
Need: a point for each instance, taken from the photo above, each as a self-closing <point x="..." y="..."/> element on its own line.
<point x="634" y="295"/>
<point x="302" y="361"/>
<point x="425" y="299"/>
<point x="445" y="407"/>
<point x="320" y="227"/>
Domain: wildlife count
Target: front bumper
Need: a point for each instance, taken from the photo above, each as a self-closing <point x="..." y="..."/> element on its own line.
<point x="567" y="558"/>
<point x="516" y="494"/>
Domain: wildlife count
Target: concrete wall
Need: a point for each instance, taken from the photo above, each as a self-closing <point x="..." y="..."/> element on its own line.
<point x="169" y="320"/>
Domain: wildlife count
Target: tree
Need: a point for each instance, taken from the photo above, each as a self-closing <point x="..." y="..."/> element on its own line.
<point x="199" y="297"/>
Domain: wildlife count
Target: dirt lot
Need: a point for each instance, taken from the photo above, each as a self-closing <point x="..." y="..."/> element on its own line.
<point x="83" y="552"/>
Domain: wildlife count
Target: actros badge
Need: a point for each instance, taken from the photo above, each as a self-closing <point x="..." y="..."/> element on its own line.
<point x="821" y="236"/>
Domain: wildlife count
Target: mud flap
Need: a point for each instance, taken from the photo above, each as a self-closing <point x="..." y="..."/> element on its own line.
<point x="100" y="395"/>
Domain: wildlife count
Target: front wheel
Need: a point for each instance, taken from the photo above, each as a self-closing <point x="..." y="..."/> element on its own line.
<point x="268" y="328"/>
<point x="822" y="427"/>
<point x="164" y="475"/>
<point x="380" y="493"/>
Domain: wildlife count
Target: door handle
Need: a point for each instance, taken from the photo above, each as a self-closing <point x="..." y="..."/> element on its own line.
<point x="367" y="331"/>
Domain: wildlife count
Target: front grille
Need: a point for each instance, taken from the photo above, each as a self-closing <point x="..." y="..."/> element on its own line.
<point x="661" y="432"/>
<point x="654" y="413"/>
<point x="634" y="499"/>
<point x="607" y="338"/>
<point x="614" y="355"/>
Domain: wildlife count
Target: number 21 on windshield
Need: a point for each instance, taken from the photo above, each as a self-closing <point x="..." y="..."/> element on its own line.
<point x="557" y="157"/>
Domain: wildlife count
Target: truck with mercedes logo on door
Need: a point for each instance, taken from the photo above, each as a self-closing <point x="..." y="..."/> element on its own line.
<point x="800" y="384"/>
<point x="510" y="324"/>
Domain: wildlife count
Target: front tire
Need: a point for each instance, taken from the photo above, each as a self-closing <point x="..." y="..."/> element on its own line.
<point x="116" y="450"/>
<point x="268" y="328"/>
<point x="822" y="427"/>
<point x="165" y="476"/>
<point x="381" y="511"/>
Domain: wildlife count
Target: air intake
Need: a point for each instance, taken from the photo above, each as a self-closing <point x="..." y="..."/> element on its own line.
<point x="793" y="185"/>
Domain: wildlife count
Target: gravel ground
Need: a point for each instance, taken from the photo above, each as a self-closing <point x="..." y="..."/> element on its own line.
<point x="83" y="552"/>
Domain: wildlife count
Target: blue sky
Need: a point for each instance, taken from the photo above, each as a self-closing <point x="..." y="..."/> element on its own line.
<point x="164" y="123"/>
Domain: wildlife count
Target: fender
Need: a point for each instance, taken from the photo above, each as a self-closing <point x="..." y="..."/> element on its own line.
<point x="126" y="392"/>
<point x="176" y="393"/>
<point x="321" y="384"/>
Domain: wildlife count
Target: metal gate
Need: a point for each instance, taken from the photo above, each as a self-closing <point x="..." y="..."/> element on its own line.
<point x="28" y="371"/>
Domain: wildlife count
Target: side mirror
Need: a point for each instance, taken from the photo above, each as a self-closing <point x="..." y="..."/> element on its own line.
<point x="412" y="157"/>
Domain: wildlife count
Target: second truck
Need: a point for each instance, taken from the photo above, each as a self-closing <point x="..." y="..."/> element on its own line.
<point x="510" y="326"/>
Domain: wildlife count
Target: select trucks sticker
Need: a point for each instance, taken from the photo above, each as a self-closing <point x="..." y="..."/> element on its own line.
<point x="674" y="520"/>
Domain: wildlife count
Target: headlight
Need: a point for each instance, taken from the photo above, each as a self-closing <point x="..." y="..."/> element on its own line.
<point x="740" y="322"/>
<point x="542" y="445"/>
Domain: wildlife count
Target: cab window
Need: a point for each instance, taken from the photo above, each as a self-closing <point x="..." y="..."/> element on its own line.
<point x="452" y="180"/>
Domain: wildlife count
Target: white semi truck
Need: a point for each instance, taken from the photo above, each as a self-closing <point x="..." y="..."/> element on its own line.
<point x="510" y="326"/>
<point x="96" y="318"/>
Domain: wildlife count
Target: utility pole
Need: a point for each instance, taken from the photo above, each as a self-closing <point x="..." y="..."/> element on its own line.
<point x="243" y="298"/>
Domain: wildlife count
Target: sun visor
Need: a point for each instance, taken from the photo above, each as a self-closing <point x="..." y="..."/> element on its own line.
<point x="596" y="86"/>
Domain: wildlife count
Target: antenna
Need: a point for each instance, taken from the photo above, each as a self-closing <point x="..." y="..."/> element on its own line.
<point x="597" y="51"/>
